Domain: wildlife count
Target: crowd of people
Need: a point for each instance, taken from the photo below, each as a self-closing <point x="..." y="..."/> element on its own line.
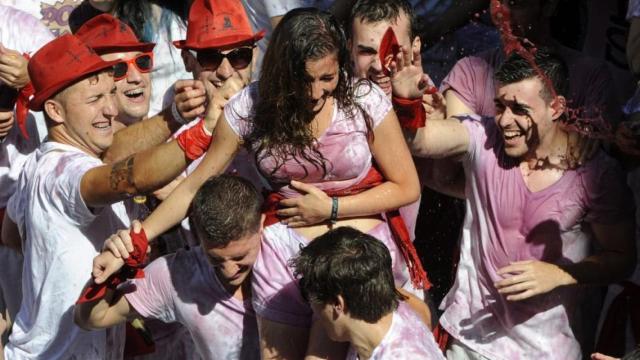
<point x="227" y="179"/>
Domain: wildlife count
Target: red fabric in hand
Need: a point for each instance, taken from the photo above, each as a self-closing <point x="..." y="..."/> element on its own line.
<point x="194" y="141"/>
<point x="132" y="269"/>
<point x="22" y="105"/>
<point x="388" y="47"/>
<point x="411" y="113"/>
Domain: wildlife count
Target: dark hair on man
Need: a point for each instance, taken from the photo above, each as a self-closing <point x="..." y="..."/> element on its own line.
<point x="373" y="11"/>
<point x="226" y="208"/>
<point x="351" y="264"/>
<point x="547" y="64"/>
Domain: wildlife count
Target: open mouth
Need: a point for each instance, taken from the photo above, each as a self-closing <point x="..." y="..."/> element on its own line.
<point x="512" y="136"/>
<point x="102" y="125"/>
<point x="134" y="94"/>
<point x="383" y="82"/>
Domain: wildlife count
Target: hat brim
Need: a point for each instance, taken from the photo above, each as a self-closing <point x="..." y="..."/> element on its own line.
<point x="220" y="43"/>
<point x="36" y="103"/>
<point x="141" y="47"/>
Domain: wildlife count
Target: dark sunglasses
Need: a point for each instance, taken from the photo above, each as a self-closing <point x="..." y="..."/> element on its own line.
<point x="210" y="59"/>
<point x="142" y="62"/>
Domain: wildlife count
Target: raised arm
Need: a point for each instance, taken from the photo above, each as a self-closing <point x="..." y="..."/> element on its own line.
<point x="172" y="210"/>
<point x="439" y="139"/>
<point x="109" y="310"/>
<point x="141" y="136"/>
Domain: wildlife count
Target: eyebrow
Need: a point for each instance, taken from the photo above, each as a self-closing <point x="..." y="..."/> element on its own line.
<point x="511" y="103"/>
<point x="367" y="48"/>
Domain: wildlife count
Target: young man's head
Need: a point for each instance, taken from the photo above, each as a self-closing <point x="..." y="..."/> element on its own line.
<point x="347" y="278"/>
<point x="75" y="90"/>
<point x="220" y="43"/>
<point x="226" y="217"/>
<point x="368" y="21"/>
<point x="529" y="99"/>
<point x="114" y="40"/>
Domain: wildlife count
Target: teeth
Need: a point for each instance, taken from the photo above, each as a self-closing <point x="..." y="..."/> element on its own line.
<point x="134" y="92"/>
<point x="511" y="134"/>
<point x="102" y="125"/>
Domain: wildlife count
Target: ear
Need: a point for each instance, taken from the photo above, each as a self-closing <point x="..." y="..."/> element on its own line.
<point x="416" y="44"/>
<point x="263" y="217"/>
<point x="188" y="60"/>
<point x="339" y="305"/>
<point x="54" y="110"/>
<point x="558" y="107"/>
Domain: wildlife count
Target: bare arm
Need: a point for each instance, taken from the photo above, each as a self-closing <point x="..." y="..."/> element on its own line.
<point x="439" y="139"/>
<point x="141" y="136"/>
<point x="613" y="262"/>
<point x="112" y="309"/>
<point x="171" y="211"/>
<point x="392" y="156"/>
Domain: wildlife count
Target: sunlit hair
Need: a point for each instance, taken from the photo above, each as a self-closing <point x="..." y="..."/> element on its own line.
<point x="284" y="109"/>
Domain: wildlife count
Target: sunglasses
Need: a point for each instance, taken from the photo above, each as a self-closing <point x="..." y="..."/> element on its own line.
<point x="143" y="63"/>
<point x="210" y="59"/>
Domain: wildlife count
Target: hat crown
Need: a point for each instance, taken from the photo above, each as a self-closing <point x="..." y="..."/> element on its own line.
<point x="217" y="23"/>
<point x="58" y="64"/>
<point x="106" y="33"/>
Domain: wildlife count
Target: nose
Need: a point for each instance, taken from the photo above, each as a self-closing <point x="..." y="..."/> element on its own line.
<point x="225" y="70"/>
<point x="376" y="64"/>
<point x="505" y="118"/>
<point x="229" y="268"/>
<point x="317" y="91"/>
<point x="110" y="108"/>
<point x="133" y="75"/>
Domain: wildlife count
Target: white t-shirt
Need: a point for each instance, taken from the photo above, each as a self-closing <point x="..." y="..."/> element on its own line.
<point x="260" y="13"/>
<point x="407" y="339"/>
<point x="183" y="287"/>
<point x="54" y="14"/>
<point x="24" y="33"/>
<point x="61" y="238"/>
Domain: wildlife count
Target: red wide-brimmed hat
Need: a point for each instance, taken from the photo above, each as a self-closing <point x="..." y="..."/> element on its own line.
<point x="106" y="34"/>
<point x="59" y="64"/>
<point x="220" y="24"/>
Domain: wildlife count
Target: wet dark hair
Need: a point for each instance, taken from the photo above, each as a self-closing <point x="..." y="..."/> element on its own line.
<point x="516" y="68"/>
<point x="284" y="111"/>
<point x="352" y="264"/>
<point x="226" y="208"/>
<point x="373" y="11"/>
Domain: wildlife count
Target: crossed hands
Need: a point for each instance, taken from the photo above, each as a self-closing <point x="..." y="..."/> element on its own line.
<point x="409" y="81"/>
<point x="196" y="98"/>
<point x="525" y="279"/>
<point x="115" y="249"/>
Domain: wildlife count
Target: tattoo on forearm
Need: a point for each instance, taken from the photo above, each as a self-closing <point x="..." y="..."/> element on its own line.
<point x="122" y="171"/>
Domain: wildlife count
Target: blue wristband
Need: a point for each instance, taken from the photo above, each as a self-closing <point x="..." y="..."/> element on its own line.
<point x="334" y="210"/>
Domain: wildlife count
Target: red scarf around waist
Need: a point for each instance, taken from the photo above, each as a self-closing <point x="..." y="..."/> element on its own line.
<point x="394" y="220"/>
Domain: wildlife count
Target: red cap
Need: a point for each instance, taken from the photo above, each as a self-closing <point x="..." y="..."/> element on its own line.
<point x="217" y="24"/>
<point x="106" y="34"/>
<point x="59" y="64"/>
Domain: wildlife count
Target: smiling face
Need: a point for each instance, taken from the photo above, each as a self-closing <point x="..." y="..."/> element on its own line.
<point x="233" y="262"/>
<point x="322" y="76"/>
<point x="223" y="73"/>
<point x="524" y="117"/>
<point x="86" y="111"/>
<point x="365" y="43"/>
<point x="133" y="92"/>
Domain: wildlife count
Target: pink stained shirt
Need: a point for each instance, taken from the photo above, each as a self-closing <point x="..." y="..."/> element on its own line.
<point x="506" y="222"/>
<point x="345" y="147"/>
<point x="184" y="288"/>
<point x="407" y="339"/>
<point x="471" y="80"/>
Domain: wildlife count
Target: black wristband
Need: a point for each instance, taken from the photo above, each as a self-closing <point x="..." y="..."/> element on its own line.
<point x="334" y="210"/>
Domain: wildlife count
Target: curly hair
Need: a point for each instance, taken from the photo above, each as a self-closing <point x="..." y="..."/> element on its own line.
<point x="284" y="111"/>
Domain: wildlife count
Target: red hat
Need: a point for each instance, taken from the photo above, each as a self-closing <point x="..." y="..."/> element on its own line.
<point x="217" y="24"/>
<point x="60" y="63"/>
<point x="106" y="34"/>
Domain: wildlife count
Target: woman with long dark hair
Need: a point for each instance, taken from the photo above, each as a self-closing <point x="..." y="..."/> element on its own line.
<point x="314" y="133"/>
